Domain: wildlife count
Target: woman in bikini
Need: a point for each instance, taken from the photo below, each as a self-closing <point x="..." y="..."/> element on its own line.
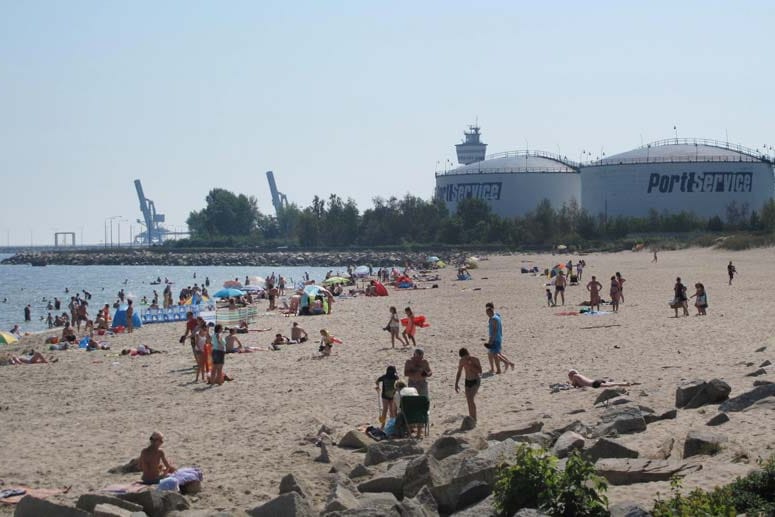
<point x="594" y="293"/>
<point x="615" y="294"/>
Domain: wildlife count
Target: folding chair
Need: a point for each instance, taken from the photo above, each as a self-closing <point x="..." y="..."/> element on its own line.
<point x="414" y="410"/>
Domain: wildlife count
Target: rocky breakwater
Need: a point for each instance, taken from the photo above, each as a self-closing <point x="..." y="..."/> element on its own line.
<point x="152" y="257"/>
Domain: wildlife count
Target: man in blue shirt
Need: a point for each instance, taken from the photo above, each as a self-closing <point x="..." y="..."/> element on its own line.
<point x="495" y="342"/>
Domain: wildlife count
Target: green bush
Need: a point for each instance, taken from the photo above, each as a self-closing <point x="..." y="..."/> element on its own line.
<point x="534" y="482"/>
<point x="753" y="494"/>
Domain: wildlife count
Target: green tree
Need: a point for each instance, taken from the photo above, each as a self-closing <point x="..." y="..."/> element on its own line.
<point x="225" y="214"/>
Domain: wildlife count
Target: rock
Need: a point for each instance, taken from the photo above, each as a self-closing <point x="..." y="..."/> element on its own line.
<point x="628" y="510"/>
<point x="156" y="503"/>
<point x="504" y="434"/>
<point x="744" y="400"/>
<point x="286" y="505"/>
<point x="472" y="493"/>
<point x="762" y="382"/>
<point x="467" y="424"/>
<point x="761" y="349"/>
<point x="619" y="401"/>
<point x="530" y="512"/>
<point x="108" y="510"/>
<point x="501" y="452"/>
<point x="765" y="363"/>
<point x="391" y="481"/>
<point x="355" y="440"/>
<point x="289" y="483"/>
<point x="324" y="429"/>
<point x="375" y="505"/>
<point x="323" y="457"/>
<point x="129" y="467"/>
<point x="390" y="450"/>
<point x="359" y="471"/>
<point x="607" y="448"/>
<point x="567" y="442"/>
<point x="609" y="393"/>
<point x="698" y="393"/>
<point x="665" y="449"/>
<point x="480" y="509"/>
<point x="87" y="502"/>
<point x="700" y="442"/>
<point x="576" y="426"/>
<point x="198" y="513"/>
<point x="627" y="471"/>
<point x="670" y="414"/>
<point x="340" y="498"/>
<point x="762" y="405"/>
<point x="544" y="440"/>
<point x="622" y="420"/>
<point x="687" y="391"/>
<point x="30" y="506"/>
<point x="757" y="373"/>
<point x="421" y="505"/>
<point x="447" y="446"/>
<point x="719" y="419"/>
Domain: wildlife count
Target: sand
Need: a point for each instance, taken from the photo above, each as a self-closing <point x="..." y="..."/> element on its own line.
<point x="68" y="423"/>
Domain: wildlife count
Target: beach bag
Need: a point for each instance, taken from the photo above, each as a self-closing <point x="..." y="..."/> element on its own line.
<point x="169" y="484"/>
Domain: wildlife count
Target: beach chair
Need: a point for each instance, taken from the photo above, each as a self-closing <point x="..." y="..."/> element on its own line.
<point x="414" y="411"/>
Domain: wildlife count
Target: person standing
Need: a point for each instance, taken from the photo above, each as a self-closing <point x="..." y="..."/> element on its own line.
<point x="219" y="356"/>
<point x="594" y="293"/>
<point x="680" y="299"/>
<point x="494" y="343"/>
<point x="615" y="294"/>
<point x="731" y="272"/>
<point x="130" y="312"/>
<point x="387" y="395"/>
<point x="620" y="280"/>
<point x="28" y="313"/>
<point x="393" y="326"/>
<point x="559" y="287"/>
<point x="473" y="369"/>
<point x="411" y="327"/>
<point x="417" y="370"/>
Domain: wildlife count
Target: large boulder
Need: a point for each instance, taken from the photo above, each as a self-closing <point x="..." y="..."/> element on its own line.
<point x="447" y="446"/>
<point x="650" y="418"/>
<point x="421" y="505"/>
<point x="744" y="400"/>
<point x="609" y="393"/>
<point x="627" y="471"/>
<point x="290" y="504"/>
<point x="566" y="443"/>
<point x="621" y="420"/>
<point x="87" y="502"/>
<point x="607" y="448"/>
<point x="628" y="510"/>
<point x="541" y="439"/>
<point x="697" y="393"/>
<point x="289" y="483"/>
<point x="355" y="440"/>
<point x="30" y="506"/>
<point x="700" y="442"/>
<point x="483" y="508"/>
<point x="504" y="434"/>
<point x="340" y="498"/>
<point x="718" y="419"/>
<point x="390" y="450"/>
<point x="391" y="481"/>
<point x="109" y="510"/>
<point x="156" y="503"/>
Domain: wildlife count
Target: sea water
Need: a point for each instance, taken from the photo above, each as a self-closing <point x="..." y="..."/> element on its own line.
<point x="36" y="286"/>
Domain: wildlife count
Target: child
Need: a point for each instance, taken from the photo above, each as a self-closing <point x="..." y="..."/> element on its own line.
<point x="279" y="339"/>
<point x="219" y="355"/>
<point x="702" y="299"/>
<point x="549" y="302"/>
<point x="388" y="393"/>
<point x="201" y="340"/>
<point x="393" y="326"/>
<point x="410" y="327"/>
<point x="326" y="343"/>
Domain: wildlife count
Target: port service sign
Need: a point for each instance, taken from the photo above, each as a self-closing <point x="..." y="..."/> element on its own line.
<point x="458" y="191"/>
<point x="703" y="182"/>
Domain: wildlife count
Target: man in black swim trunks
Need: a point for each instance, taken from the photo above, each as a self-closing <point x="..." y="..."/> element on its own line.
<point x="473" y="369"/>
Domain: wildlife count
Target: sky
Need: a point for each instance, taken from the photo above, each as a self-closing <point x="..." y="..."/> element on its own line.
<point x="360" y="99"/>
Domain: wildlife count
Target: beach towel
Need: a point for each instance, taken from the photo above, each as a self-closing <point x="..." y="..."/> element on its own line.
<point x="125" y="488"/>
<point x="17" y="493"/>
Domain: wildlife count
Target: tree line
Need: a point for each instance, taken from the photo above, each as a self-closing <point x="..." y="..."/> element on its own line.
<point x="230" y="219"/>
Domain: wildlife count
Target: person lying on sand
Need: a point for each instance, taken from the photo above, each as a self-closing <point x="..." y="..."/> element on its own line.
<point x="153" y="462"/>
<point x="140" y="350"/>
<point x="32" y="358"/>
<point x="580" y="381"/>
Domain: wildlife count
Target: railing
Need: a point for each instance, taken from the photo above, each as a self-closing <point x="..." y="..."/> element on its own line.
<point x="507" y="170"/>
<point x="232" y="317"/>
<point x="677" y="159"/>
<point x="538" y="154"/>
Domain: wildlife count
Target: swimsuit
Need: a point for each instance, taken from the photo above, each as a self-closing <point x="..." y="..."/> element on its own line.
<point x="472" y="383"/>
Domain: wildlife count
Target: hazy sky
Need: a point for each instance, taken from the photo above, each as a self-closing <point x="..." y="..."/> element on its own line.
<point x="357" y="98"/>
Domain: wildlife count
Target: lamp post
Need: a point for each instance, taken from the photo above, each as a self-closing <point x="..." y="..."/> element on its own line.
<point x="118" y="224"/>
<point x="111" y="218"/>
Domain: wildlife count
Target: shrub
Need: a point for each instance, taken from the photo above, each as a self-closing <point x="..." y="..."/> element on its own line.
<point x="534" y="482"/>
<point x="753" y="494"/>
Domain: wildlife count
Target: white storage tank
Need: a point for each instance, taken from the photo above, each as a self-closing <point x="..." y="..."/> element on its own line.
<point x="699" y="176"/>
<point x="512" y="183"/>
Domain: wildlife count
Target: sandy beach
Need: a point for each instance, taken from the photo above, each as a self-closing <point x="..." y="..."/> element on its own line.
<point x="67" y="423"/>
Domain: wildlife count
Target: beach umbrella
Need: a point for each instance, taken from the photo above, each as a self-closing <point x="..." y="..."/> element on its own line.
<point x="361" y="271"/>
<point x="7" y="339"/>
<point x="228" y="293"/>
<point x="253" y="288"/>
<point x="336" y="280"/>
<point x="433" y="258"/>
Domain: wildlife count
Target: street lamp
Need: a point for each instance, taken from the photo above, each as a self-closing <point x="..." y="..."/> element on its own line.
<point x="111" y="218"/>
<point x="118" y="224"/>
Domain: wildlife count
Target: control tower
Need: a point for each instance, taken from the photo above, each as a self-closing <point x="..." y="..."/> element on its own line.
<point x="472" y="150"/>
